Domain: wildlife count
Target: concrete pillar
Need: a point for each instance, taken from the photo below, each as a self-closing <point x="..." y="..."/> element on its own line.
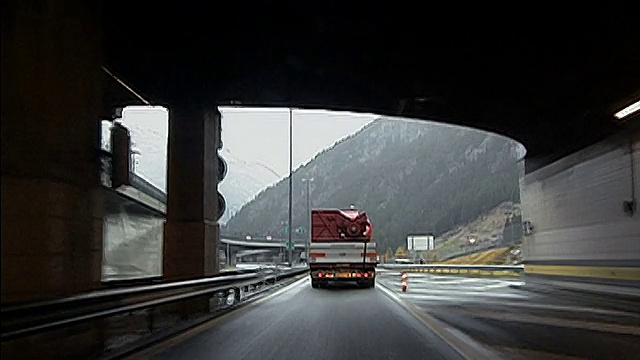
<point x="51" y="197"/>
<point x="191" y="234"/>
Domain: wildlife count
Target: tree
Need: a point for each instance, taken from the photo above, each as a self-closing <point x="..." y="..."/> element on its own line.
<point x="388" y="255"/>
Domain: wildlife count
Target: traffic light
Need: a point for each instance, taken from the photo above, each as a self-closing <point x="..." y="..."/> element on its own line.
<point x="222" y="173"/>
<point x="222" y="205"/>
<point x="222" y="168"/>
<point x="222" y="165"/>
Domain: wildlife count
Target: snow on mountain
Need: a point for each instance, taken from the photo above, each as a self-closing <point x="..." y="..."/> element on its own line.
<point x="245" y="179"/>
<point x="149" y="130"/>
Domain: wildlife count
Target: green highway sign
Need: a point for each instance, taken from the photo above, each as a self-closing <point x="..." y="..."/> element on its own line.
<point x="289" y="245"/>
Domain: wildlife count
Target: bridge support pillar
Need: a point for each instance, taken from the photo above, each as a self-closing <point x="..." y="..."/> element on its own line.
<point x="52" y="201"/>
<point x="192" y="234"/>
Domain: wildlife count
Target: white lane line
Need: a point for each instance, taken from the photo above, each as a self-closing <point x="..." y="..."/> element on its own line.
<point x="152" y="350"/>
<point x="520" y="353"/>
<point x="454" y="284"/>
<point x="445" y="294"/>
<point x="463" y="345"/>
<point x="451" y="299"/>
<point x="428" y="301"/>
<point x="572" y="309"/>
<point x="465" y="296"/>
<point x="492" y="289"/>
<point x="565" y="323"/>
<point x="279" y="295"/>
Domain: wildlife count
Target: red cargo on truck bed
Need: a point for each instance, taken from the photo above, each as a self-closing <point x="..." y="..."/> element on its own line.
<point x="340" y="225"/>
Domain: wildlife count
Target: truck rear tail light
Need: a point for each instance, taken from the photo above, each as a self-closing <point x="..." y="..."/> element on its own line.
<point x="320" y="274"/>
<point x="366" y="275"/>
<point x="359" y="275"/>
<point x="373" y="255"/>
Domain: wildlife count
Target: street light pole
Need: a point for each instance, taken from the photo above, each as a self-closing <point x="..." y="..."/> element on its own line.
<point x="309" y="229"/>
<point x="290" y="184"/>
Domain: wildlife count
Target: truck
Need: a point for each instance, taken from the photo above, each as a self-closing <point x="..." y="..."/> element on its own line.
<point x="342" y="248"/>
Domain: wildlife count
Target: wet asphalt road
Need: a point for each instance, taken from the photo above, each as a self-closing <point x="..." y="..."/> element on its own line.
<point x="304" y="323"/>
<point x="350" y="323"/>
<point x="524" y="324"/>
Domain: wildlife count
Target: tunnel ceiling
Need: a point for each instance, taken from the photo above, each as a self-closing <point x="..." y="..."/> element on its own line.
<point x="549" y="81"/>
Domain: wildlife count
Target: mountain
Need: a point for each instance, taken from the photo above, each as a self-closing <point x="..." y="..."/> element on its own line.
<point x="410" y="177"/>
<point x="244" y="180"/>
<point x="149" y="140"/>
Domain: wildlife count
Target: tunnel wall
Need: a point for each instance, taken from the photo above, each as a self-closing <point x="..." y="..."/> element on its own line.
<point x="580" y="231"/>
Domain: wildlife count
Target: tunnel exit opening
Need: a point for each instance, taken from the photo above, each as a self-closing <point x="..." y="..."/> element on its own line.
<point x="384" y="155"/>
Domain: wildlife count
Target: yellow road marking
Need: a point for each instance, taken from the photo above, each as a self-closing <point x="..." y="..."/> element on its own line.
<point x="601" y="272"/>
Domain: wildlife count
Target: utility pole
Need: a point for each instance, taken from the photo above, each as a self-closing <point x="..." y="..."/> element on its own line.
<point x="289" y="245"/>
<point x="308" y="240"/>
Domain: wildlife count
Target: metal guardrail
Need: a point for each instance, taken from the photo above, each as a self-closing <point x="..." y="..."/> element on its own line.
<point x="29" y="319"/>
<point x="148" y="188"/>
<point x="136" y="180"/>
<point x="457" y="269"/>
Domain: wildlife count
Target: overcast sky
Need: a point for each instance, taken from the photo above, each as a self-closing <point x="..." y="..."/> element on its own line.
<point x="263" y="134"/>
<point x="251" y="134"/>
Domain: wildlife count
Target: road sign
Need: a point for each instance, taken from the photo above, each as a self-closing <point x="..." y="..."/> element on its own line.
<point x="248" y="237"/>
<point x="268" y="237"/>
<point x="289" y="245"/>
<point x="301" y="230"/>
<point x="286" y="229"/>
<point x="420" y="242"/>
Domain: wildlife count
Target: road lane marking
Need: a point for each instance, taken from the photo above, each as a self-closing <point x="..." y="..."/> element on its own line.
<point x="449" y="300"/>
<point x="600" y="272"/>
<point x="565" y="323"/>
<point x="172" y="341"/>
<point x="520" y="353"/>
<point x="463" y="291"/>
<point x="572" y="308"/>
<point x="463" y="345"/>
<point x="423" y="300"/>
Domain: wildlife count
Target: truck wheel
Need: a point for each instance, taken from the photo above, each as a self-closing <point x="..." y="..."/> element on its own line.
<point x="372" y="284"/>
<point x="315" y="284"/>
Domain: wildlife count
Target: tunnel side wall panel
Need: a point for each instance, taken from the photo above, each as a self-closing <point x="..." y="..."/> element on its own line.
<point x="576" y="208"/>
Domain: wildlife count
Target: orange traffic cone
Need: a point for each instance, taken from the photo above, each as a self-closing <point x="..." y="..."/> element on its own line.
<point x="403" y="280"/>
